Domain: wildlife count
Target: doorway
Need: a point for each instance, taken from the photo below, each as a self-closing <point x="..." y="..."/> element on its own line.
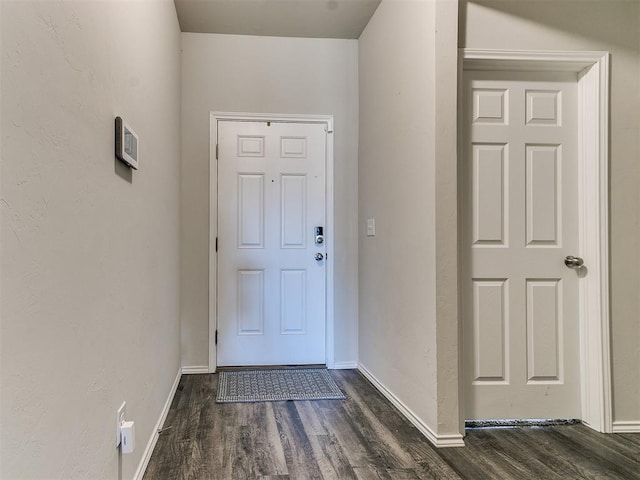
<point x="520" y="222"/>
<point x="271" y="249"/>
<point x="519" y="346"/>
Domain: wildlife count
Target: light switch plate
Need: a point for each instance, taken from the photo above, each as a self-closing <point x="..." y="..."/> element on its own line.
<point x="371" y="227"/>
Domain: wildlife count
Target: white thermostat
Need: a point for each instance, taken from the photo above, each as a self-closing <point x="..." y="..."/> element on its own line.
<point x="126" y="144"/>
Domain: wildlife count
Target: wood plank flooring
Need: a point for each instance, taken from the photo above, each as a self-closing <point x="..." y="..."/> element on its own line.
<point x="362" y="438"/>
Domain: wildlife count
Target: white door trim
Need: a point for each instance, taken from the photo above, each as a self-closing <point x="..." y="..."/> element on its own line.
<point x="327" y="120"/>
<point x="592" y="69"/>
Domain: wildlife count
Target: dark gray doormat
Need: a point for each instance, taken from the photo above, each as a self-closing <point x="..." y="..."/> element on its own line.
<point x="277" y="384"/>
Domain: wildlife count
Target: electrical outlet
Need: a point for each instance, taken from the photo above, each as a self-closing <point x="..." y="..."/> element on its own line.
<point x="120" y="418"/>
<point x="128" y="437"/>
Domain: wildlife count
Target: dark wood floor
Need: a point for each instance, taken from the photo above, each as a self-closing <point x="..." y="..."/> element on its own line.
<point x="364" y="437"/>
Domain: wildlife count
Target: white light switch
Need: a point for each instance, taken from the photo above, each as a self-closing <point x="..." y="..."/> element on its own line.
<point x="371" y="227"/>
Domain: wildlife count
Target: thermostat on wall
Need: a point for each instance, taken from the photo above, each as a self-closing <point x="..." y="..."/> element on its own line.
<point x="126" y="144"/>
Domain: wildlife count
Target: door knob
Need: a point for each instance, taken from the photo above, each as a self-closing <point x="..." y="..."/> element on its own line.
<point x="319" y="256"/>
<point x="573" y="262"/>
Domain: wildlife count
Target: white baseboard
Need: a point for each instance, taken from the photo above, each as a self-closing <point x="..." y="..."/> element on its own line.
<point x="343" y="366"/>
<point x="626" y="427"/>
<point x="146" y="456"/>
<point x="440" y="441"/>
<point x="195" y="369"/>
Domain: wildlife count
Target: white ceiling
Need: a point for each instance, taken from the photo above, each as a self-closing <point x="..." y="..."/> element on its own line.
<point x="281" y="18"/>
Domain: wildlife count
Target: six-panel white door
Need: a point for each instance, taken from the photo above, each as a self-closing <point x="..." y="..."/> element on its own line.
<point x="519" y="222"/>
<point x="271" y="288"/>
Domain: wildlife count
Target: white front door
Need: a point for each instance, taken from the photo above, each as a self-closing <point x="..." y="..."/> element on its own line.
<point x="271" y="287"/>
<point x="519" y="221"/>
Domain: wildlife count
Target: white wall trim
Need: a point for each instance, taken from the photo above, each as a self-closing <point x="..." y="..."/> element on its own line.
<point x="343" y="366"/>
<point x="213" y="218"/>
<point x="146" y="455"/>
<point x="440" y="441"/>
<point x="195" y="369"/>
<point x="626" y="427"/>
<point x="592" y="69"/>
<point x="529" y="60"/>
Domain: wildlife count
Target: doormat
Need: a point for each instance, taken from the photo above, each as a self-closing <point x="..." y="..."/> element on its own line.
<point x="278" y="384"/>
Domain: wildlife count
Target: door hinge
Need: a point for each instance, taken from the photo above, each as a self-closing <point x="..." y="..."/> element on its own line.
<point x="216" y="244"/>
<point x="216" y="151"/>
<point x="216" y="338"/>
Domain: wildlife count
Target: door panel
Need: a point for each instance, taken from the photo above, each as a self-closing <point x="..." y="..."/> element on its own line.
<point x="271" y="290"/>
<point x="544" y="328"/>
<point x="250" y="211"/>
<point x="490" y="326"/>
<point x="490" y="194"/>
<point x="519" y="220"/>
<point x="544" y="166"/>
<point x="293" y="217"/>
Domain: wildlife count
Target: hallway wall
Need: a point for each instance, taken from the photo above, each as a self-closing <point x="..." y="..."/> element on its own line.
<point x="408" y="305"/>
<point x="236" y="73"/>
<point x="90" y="250"/>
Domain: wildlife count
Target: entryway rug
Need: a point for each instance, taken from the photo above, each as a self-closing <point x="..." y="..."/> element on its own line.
<point x="268" y="385"/>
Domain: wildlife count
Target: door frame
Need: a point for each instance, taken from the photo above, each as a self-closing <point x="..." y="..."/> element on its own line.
<point x="592" y="69"/>
<point x="327" y="121"/>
